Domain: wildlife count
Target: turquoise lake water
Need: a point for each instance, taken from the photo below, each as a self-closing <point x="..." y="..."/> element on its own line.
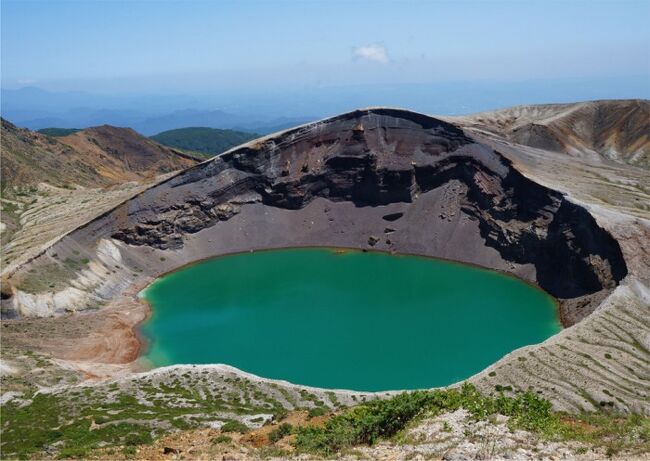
<point x="344" y="319"/>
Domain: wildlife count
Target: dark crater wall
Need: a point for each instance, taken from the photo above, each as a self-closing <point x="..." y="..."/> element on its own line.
<point x="386" y="179"/>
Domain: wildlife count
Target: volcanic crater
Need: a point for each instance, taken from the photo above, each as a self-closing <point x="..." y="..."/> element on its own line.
<point x="374" y="179"/>
<point x="343" y="182"/>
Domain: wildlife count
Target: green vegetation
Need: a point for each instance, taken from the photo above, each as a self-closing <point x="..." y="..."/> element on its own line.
<point x="10" y="207"/>
<point x="316" y="411"/>
<point x="61" y="422"/>
<point x="58" y="132"/>
<point x="380" y="419"/>
<point x="209" y="141"/>
<point x="281" y="431"/>
<point x="234" y="426"/>
<point x="222" y="439"/>
<point x="80" y="420"/>
<point x="39" y="425"/>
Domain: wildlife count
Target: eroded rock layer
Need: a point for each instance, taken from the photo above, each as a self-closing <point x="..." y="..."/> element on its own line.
<point x="612" y="130"/>
<point x="380" y="179"/>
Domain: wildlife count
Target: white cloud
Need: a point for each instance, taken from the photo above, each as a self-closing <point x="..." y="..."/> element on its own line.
<point x="374" y="53"/>
<point x="26" y="81"/>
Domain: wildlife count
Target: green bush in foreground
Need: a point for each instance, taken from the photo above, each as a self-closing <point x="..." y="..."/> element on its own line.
<point x="367" y="423"/>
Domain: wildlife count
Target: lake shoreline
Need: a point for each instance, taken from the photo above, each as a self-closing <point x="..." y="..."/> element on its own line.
<point x="403" y="260"/>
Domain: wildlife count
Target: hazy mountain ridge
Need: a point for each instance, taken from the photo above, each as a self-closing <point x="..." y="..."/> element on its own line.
<point x="35" y="109"/>
<point x="271" y="110"/>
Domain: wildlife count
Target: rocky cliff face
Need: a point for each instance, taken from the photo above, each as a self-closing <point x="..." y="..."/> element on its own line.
<point x="385" y="179"/>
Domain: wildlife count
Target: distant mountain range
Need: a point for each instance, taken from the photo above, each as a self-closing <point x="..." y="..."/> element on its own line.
<point x="268" y="110"/>
<point x="211" y="119"/>
<point x="149" y="126"/>
<point x="36" y="109"/>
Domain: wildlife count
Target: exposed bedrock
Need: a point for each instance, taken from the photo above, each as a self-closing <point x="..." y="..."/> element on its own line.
<point x="379" y="178"/>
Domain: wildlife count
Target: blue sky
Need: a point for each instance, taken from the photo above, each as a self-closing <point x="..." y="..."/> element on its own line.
<point x="132" y="46"/>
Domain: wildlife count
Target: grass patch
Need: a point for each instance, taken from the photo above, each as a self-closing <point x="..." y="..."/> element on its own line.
<point x="46" y="277"/>
<point x="60" y="423"/>
<point x="42" y="423"/>
<point x="222" y="439"/>
<point x="234" y="426"/>
<point x="123" y="420"/>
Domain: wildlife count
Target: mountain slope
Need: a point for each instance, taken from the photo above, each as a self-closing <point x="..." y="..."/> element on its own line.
<point x="617" y="130"/>
<point x="121" y="154"/>
<point x="29" y="158"/>
<point x="209" y="141"/>
<point x="94" y="157"/>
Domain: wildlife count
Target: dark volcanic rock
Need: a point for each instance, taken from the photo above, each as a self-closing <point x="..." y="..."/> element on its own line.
<point x="366" y="157"/>
<point x="392" y="216"/>
<point x="377" y="157"/>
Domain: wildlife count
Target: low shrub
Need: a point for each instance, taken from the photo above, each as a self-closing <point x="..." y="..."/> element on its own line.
<point x="281" y="431"/>
<point x="222" y="439"/>
<point x="316" y="411"/>
<point x="234" y="426"/>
